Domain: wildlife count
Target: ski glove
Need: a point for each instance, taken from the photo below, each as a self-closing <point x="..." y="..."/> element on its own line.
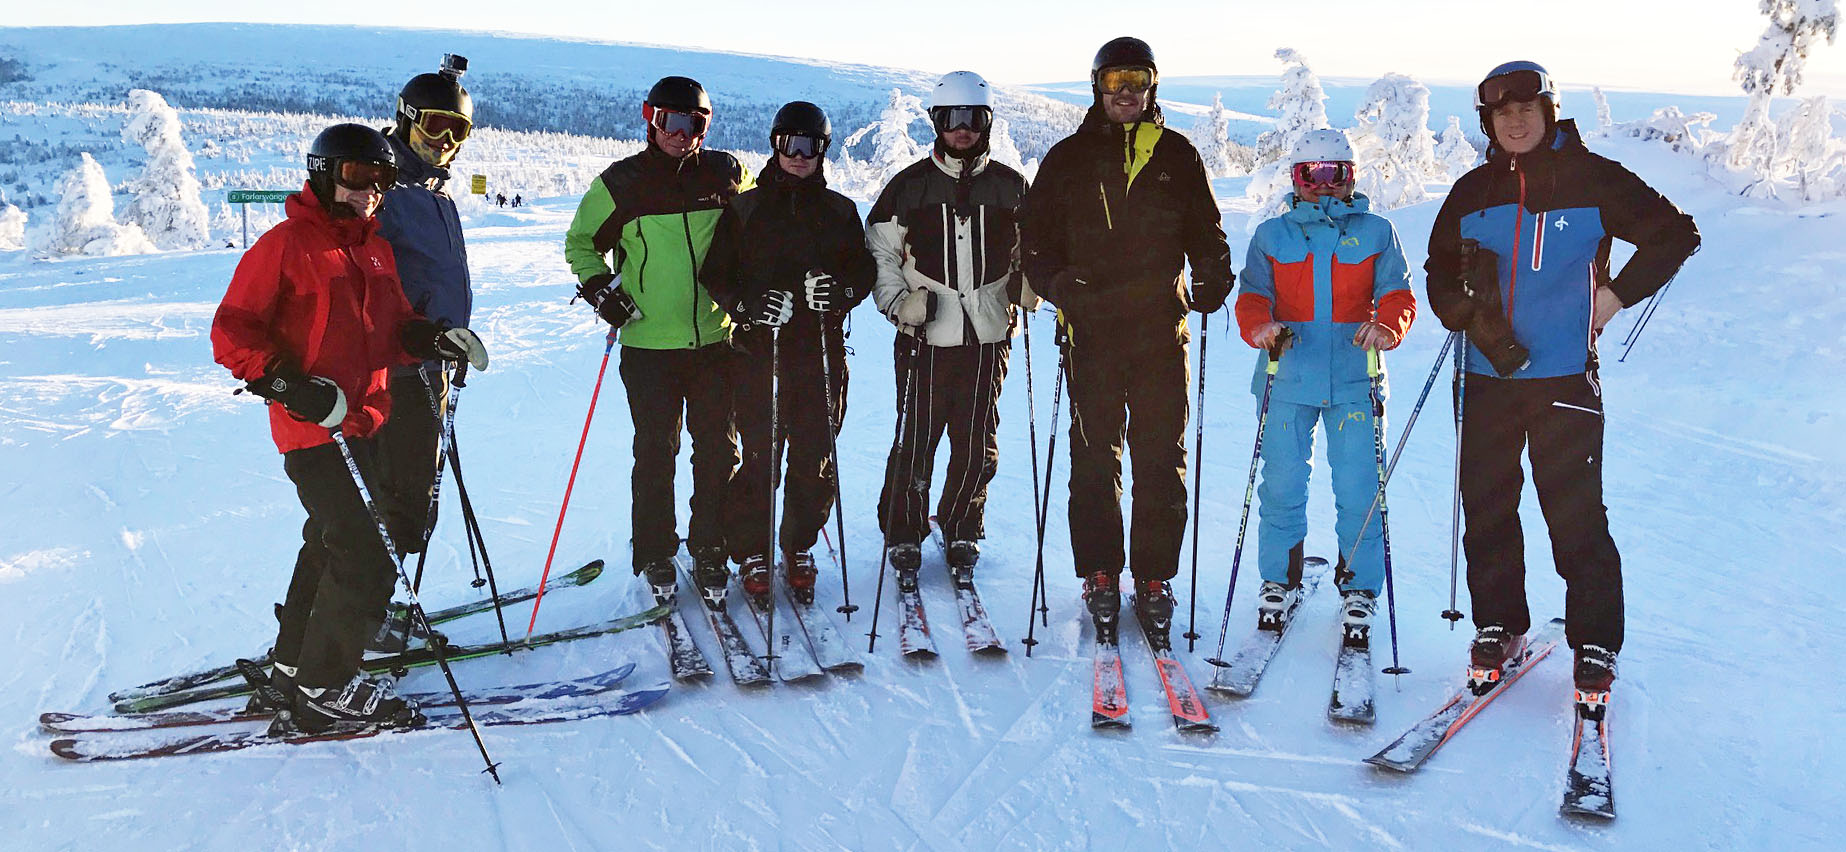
<point x="611" y="302"/>
<point x="772" y="308"/>
<point x="311" y="399"/>
<point x="1209" y="296"/>
<point x="827" y="293"/>
<point x="917" y="308"/>
<point x="433" y="341"/>
<point x="1069" y="283"/>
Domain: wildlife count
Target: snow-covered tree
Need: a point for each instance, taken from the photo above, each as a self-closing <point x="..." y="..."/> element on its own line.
<point x="12" y="227"/>
<point x="85" y="219"/>
<point x="1301" y="106"/>
<point x="892" y="147"/>
<point x="1395" y="150"/>
<point x="1213" y="140"/>
<point x="1000" y="144"/>
<point x="1454" y="154"/>
<point x="166" y="196"/>
<point x="1809" y="149"/>
<point x="1684" y="133"/>
<point x="1604" y="120"/>
<point x="1774" y="65"/>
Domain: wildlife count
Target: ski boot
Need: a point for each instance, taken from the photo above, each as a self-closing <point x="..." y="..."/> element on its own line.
<point x="1356" y="609"/>
<point x="962" y="556"/>
<point x="758" y="578"/>
<point x="662" y="580"/>
<point x="1594" y="673"/>
<point x="1273" y="604"/>
<point x="1102" y="594"/>
<point x="389" y="637"/>
<point x="711" y="575"/>
<point x="801" y="576"/>
<point x="364" y="702"/>
<point x="269" y="691"/>
<point x="1494" y="646"/>
<point x="907" y="560"/>
<point x="1154" y="609"/>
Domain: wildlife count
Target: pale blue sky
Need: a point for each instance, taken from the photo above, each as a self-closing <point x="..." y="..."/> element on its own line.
<point x="1664" y="45"/>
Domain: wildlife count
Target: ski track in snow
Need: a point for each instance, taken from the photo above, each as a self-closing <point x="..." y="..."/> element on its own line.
<point x="150" y="526"/>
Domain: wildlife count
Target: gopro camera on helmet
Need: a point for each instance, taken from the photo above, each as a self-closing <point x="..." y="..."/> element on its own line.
<point x="454" y="65"/>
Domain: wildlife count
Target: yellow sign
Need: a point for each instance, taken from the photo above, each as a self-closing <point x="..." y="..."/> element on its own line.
<point x="479" y="185"/>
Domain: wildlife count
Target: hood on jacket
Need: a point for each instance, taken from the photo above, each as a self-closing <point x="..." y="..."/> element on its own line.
<point x="775" y="176"/>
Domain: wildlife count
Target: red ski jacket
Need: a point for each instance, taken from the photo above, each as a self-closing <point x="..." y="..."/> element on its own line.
<point x="320" y="295"/>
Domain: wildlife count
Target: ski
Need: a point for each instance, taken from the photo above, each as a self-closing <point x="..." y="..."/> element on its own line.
<point x="1353" y="682"/>
<point x="1108" y="689"/>
<point x="683" y="655"/>
<point x="746" y="668"/>
<point x="975" y="626"/>
<point x="538" y="711"/>
<point x="179" y="683"/>
<point x="414" y="658"/>
<point x="792" y="661"/>
<point x="913" y="637"/>
<point x="1589" y="786"/>
<point x="829" y="647"/>
<point x="1409" y="751"/>
<point x="78" y="723"/>
<point x="1246" y="667"/>
<point x="1183" y="699"/>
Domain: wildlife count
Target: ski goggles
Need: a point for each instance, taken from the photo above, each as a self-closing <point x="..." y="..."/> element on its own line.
<point x="671" y="121"/>
<point x="1134" y="79"/>
<point x="975" y="118"/>
<point x="437" y="123"/>
<point x="1322" y="174"/>
<point x="360" y="175"/>
<point x="796" y="145"/>
<point x="1521" y="85"/>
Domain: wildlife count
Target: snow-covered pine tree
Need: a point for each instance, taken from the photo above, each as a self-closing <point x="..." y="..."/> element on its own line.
<point x="1808" y="149"/>
<point x="1396" y="152"/>
<point x="892" y="147"/>
<point x="1454" y="154"/>
<point x="1213" y="140"/>
<point x="1000" y="144"/>
<point x="12" y="227"/>
<point x="1775" y="64"/>
<point x="1679" y="131"/>
<point x="85" y="219"/>
<point x="166" y="200"/>
<point x="1604" y="120"/>
<point x="1301" y="106"/>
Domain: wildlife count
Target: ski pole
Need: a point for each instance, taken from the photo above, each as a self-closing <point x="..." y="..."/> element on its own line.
<point x="1249" y="488"/>
<point x="442" y="448"/>
<point x="1398" y="452"/>
<point x="833" y="456"/>
<point x="891" y="485"/>
<point x="608" y="346"/>
<point x="775" y="469"/>
<point x="1384" y="513"/>
<point x="1038" y="512"/>
<point x="1461" y="391"/>
<point x="1198" y="478"/>
<point x="416" y="605"/>
<point x="1040" y="597"/>
<point x="1653" y="304"/>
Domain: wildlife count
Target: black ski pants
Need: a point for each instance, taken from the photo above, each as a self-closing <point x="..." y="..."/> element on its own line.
<point x="1559" y="423"/>
<point x="343" y="575"/>
<point x="670" y="390"/>
<point x="407" y="446"/>
<point x="953" y="390"/>
<point x="1136" y="395"/>
<point x="803" y="439"/>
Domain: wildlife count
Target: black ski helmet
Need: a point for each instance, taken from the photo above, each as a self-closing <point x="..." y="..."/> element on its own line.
<point x="1124" y="50"/>
<point x="338" y="144"/>
<point x="800" y="118"/>
<point x="442" y="90"/>
<point x="680" y="94"/>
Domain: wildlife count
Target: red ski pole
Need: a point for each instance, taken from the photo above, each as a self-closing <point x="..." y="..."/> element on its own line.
<point x="608" y="347"/>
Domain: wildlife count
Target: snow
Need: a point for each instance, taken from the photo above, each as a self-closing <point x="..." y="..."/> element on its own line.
<point x="150" y="526"/>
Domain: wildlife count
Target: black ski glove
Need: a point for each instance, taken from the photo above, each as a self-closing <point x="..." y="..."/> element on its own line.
<point x="1209" y="296"/>
<point x="772" y="308"/>
<point x="1068" y="284"/>
<point x="433" y="341"/>
<point x="611" y="302"/>
<point x="311" y="399"/>
<point x="827" y="293"/>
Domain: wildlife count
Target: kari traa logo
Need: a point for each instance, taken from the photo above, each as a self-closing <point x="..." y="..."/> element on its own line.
<point x="1349" y="241"/>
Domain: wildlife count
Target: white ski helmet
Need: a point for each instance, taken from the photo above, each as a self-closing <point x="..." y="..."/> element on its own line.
<point x="1325" y="145"/>
<point x="961" y="88"/>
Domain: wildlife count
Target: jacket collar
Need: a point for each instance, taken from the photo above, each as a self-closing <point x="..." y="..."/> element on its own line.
<point x="952" y="166"/>
<point x="412" y="170"/>
<point x="1564" y="138"/>
<point x="1329" y="210"/>
<point x="773" y="176"/>
<point x="305" y="206"/>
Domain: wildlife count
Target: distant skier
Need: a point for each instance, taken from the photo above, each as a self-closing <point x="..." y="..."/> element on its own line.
<point x="1119" y="209"/>
<point x="1543" y="211"/>
<point x="788" y="260"/>
<point x="517" y="201"/>
<point x="313" y="319"/>
<point x="419" y="220"/>
<point x="657" y="211"/>
<point x="1334" y="274"/>
<point x="945" y="235"/>
<point x="500" y="199"/>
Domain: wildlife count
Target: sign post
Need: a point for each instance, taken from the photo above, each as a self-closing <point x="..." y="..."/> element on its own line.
<point x="248" y="197"/>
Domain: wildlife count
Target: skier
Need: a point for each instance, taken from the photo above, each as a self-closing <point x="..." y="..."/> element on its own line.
<point x="312" y="320"/>
<point x="500" y="199"/>
<point x="945" y="235"/>
<point x="1334" y="275"/>
<point x="657" y="210"/>
<point x="517" y="200"/>
<point x="418" y="219"/>
<point x="788" y="260"/>
<point x="1118" y="210"/>
<point x="1543" y="211"/>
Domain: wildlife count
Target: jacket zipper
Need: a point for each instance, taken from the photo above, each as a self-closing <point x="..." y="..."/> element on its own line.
<point x="1519" y="212"/>
<point x="1103" y="191"/>
<point x="692" y="254"/>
